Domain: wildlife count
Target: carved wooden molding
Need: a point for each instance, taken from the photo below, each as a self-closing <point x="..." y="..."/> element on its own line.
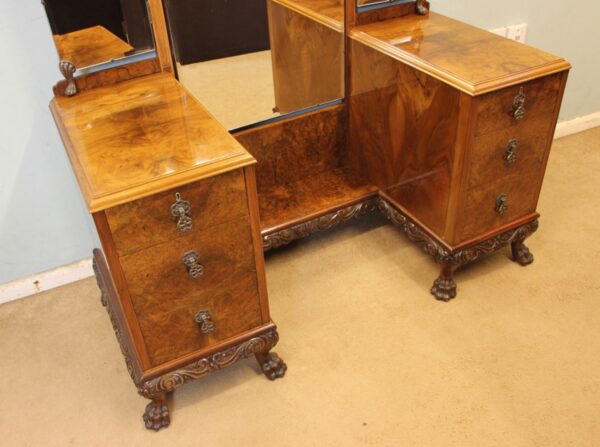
<point x="104" y="293"/>
<point x="67" y="69"/>
<point x="460" y="257"/>
<point x="200" y="368"/>
<point x="321" y="223"/>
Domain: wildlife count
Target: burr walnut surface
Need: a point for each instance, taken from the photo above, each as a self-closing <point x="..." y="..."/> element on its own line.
<point x="326" y="12"/>
<point x="140" y="137"/>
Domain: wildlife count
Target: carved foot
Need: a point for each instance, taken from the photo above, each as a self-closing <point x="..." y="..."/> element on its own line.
<point x="444" y="289"/>
<point x="271" y="364"/>
<point x="156" y="415"/>
<point x="521" y="253"/>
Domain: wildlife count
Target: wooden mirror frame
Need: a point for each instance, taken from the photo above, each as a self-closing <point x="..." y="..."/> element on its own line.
<point x="163" y="62"/>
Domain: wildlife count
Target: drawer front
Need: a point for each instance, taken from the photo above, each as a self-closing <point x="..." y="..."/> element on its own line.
<point x="483" y="210"/>
<point x="166" y="298"/>
<point x="497" y="110"/>
<point x="518" y="150"/>
<point x="150" y="221"/>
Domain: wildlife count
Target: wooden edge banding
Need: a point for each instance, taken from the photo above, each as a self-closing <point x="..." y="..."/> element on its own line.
<point x="124" y="299"/>
<point x="452" y="80"/>
<point x="161" y="36"/>
<point x="253" y="210"/>
<point x="321" y="223"/>
<point x="327" y="21"/>
<point x="171" y="380"/>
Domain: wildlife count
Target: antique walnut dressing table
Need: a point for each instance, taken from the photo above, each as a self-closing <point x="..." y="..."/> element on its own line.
<point x="445" y="129"/>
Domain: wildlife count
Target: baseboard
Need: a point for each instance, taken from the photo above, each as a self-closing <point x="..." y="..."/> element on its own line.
<point x="46" y="280"/>
<point x="577" y="125"/>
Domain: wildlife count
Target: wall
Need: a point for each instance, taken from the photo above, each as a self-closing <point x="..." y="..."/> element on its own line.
<point x="566" y="28"/>
<point x="43" y="222"/>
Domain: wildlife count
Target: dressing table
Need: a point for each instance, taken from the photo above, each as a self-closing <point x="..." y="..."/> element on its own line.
<point x="440" y="126"/>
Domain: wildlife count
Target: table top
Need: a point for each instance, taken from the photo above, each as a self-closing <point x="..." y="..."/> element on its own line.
<point x="327" y="12"/>
<point x="471" y="59"/>
<point x="136" y="138"/>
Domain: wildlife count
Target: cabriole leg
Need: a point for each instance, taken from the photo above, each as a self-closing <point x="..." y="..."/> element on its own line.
<point x="271" y="365"/>
<point x="444" y="287"/>
<point x="156" y="415"/>
<point x="521" y="253"/>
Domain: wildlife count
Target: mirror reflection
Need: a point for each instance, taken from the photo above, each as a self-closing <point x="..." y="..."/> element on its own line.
<point x="248" y="61"/>
<point x="89" y="32"/>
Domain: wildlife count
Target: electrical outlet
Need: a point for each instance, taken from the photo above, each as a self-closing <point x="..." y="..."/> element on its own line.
<point x="517" y="32"/>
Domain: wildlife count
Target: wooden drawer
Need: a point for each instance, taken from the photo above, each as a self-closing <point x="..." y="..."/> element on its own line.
<point x="494" y="109"/>
<point x="489" y="157"/>
<point x="148" y="221"/>
<point x="480" y="215"/>
<point x="166" y="298"/>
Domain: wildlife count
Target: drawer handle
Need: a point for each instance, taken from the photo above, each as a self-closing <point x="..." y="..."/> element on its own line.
<point x="204" y="319"/>
<point x="180" y="210"/>
<point x="510" y="155"/>
<point x="501" y="204"/>
<point x="192" y="262"/>
<point x="518" y="110"/>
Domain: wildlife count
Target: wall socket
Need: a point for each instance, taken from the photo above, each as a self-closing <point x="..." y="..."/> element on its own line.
<point x="512" y="32"/>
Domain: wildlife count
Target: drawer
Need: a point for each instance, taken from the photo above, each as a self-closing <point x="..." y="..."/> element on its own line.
<point x="495" y="110"/>
<point x="149" y="221"/>
<point x="516" y="150"/>
<point x="166" y="298"/>
<point x="480" y="214"/>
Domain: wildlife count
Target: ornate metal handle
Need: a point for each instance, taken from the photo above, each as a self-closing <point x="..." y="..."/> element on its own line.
<point x="180" y="210"/>
<point x="518" y="110"/>
<point x="192" y="262"/>
<point x="501" y="204"/>
<point x="510" y="156"/>
<point x="204" y="319"/>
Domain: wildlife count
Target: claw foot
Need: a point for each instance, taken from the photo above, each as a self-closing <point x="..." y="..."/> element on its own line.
<point x="156" y="415"/>
<point x="521" y="254"/>
<point x="271" y="364"/>
<point x="444" y="289"/>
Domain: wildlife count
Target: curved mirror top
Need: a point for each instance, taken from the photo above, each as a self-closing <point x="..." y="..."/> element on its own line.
<point x="248" y="61"/>
<point x="93" y="35"/>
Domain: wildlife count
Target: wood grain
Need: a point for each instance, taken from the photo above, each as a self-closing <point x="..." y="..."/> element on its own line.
<point x="307" y="58"/>
<point x="468" y="58"/>
<point x="165" y="298"/>
<point x="90" y="46"/>
<point x="326" y="12"/>
<point x="148" y="221"/>
<point x="141" y="137"/>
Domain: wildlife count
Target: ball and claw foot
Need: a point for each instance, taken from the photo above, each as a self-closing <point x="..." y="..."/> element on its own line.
<point x="271" y="365"/>
<point x="521" y="253"/>
<point x="156" y="415"/>
<point x="444" y="289"/>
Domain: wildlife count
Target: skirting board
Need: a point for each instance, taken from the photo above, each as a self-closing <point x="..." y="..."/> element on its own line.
<point x="83" y="269"/>
<point x="46" y="280"/>
<point x="576" y="125"/>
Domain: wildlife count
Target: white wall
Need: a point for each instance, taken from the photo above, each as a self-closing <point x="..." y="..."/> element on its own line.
<point x="566" y="28"/>
<point x="43" y="222"/>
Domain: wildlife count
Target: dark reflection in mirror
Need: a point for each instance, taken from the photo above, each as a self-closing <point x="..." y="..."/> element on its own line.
<point x="251" y="60"/>
<point x="90" y="33"/>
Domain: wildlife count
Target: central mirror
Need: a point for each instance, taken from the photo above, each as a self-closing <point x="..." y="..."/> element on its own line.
<point x="248" y="61"/>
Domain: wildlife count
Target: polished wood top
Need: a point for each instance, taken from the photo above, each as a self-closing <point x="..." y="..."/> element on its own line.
<point x="327" y="12"/>
<point x="471" y="59"/>
<point x="90" y="46"/>
<point x="136" y="138"/>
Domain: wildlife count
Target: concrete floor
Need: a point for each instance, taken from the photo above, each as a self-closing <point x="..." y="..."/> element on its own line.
<point x="373" y="359"/>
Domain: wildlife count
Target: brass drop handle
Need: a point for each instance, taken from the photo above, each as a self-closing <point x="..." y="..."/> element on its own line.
<point x="191" y="260"/>
<point x="204" y="319"/>
<point x="180" y="211"/>
<point x="510" y="156"/>
<point x="518" y="107"/>
<point x="501" y="204"/>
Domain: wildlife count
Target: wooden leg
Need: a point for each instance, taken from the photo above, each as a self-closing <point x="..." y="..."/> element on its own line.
<point x="271" y="364"/>
<point x="156" y="415"/>
<point x="521" y="253"/>
<point x="444" y="287"/>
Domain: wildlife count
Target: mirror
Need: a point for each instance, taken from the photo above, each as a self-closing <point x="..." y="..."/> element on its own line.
<point x="366" y="5"/>
<point x="94" y="35"/>
<point x="248" y="61"/>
